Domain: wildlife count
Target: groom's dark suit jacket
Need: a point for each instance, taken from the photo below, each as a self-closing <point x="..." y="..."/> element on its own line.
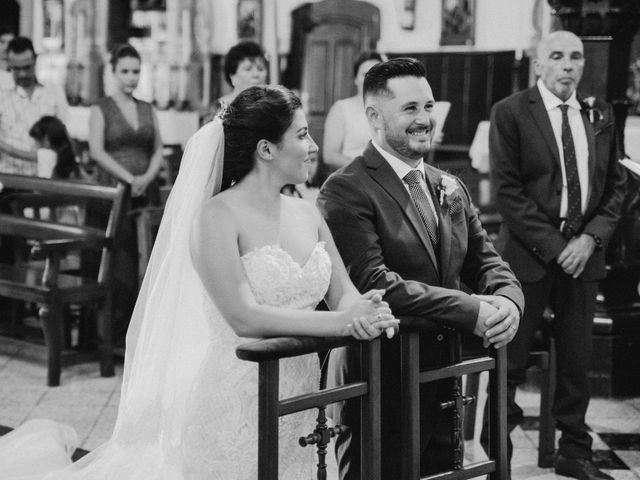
<point x="526" y="180"/>
<point x="384" y="244"/>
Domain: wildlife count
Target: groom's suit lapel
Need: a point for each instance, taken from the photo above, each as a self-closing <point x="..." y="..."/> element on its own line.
<point x="382" y="173"/>
<point x="444" y="219"/>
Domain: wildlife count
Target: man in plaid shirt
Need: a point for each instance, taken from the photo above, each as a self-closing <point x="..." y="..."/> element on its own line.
<point x="22" y="105"/>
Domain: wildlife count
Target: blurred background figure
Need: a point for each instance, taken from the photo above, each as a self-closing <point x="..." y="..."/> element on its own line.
<point x="245" y="65"/>
<point x="22" y="105"/>
<point x="125" y="142"/>
<point x="51" y="136"/>
<point x="346" y="131"/>
<point x="54" y="153"/>
<point x="124" y="139"/>
<point x="7" y="33"/>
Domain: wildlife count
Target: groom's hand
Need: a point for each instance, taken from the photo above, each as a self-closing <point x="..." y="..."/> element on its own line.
<point x="500" y="325"/>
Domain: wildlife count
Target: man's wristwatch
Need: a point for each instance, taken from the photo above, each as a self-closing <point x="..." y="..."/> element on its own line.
<point x="596" y="240"/>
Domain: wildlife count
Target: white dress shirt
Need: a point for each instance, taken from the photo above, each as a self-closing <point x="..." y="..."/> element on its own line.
<point x="552" y="104"/>
<point x="401" y="169"/>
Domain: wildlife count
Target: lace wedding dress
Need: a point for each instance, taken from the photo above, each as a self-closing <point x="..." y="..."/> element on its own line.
<point x="219" y="436"/>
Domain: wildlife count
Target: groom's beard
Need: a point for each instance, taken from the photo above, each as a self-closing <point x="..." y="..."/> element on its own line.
<point x="404" y="145"/>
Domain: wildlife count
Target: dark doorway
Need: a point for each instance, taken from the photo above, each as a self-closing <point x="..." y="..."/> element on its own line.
<point x="10" y="14"/>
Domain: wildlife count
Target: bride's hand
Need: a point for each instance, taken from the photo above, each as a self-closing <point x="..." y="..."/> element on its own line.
<point x="369" y="316"/>
<point x="376" y="296"/>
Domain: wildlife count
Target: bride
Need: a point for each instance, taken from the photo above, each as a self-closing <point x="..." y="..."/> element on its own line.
<point x="233" y="259"/>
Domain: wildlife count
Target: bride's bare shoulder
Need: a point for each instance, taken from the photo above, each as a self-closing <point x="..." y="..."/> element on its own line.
<point x="220" y="210"/>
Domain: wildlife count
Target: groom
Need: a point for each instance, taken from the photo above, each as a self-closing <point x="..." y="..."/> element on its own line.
<point x="409" y="228"/>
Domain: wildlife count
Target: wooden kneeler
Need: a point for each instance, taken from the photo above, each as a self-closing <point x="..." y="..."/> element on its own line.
<point x="267" y="354"/>
<point x="412" y="377"/>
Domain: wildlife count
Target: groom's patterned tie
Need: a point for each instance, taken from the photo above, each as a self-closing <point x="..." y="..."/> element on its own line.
<point x="574" y="197"/>
<point x="421" y="202"/>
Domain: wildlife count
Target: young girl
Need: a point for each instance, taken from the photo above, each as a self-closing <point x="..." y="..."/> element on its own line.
<point x="51" y="134"/>
<point x="53" y="146"/>
<point x="56" y="159"/>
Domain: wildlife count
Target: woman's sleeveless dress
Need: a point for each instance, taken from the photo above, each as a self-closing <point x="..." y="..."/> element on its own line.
<point x="131" y="148"/>
<point x="219" y="440"/>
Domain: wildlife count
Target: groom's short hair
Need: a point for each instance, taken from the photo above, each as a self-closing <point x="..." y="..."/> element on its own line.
<point x="375" y="80"/>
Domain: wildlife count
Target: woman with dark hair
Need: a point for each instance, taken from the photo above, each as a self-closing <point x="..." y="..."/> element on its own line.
<point x="124" y="141"/>
<point x="233" y="259"/>
<point x="245" y="65"/>
<point x="54" y="151"/>
<point x="346" y="130"/>
<point x="51" y="134"/>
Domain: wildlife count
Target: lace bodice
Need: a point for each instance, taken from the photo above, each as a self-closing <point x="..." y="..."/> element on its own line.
<point x="277" y="279"/>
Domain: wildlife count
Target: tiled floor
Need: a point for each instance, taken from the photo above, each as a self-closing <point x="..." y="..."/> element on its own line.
<point x="89" y="403"/>
<point x="615" y="425"/>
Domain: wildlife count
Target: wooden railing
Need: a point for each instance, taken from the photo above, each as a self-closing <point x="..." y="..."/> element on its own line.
<point x="267" y="353"/>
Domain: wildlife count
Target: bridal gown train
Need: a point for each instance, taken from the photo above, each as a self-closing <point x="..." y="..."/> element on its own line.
<point x="219" y="437"/>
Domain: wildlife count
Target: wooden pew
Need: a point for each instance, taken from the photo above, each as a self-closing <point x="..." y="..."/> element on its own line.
<point x="45" y="284"/>
<point x="267" y="354"/>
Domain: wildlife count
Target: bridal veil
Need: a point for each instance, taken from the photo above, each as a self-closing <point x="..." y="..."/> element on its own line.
<point x="168" y="335"/>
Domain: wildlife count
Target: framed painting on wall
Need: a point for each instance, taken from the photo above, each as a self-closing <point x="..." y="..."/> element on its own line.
<point x="457" y="22"/>
<point x="250" y="20"/>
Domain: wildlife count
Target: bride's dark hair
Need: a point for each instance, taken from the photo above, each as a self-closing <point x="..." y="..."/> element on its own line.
<point x="263" y="112"/>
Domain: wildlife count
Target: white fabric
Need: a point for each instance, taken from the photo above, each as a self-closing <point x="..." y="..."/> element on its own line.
<point x="46" y="162"/>
<point x="479" y="149"/>
<point x="356" y="125"/>
<point x="401" y="169"/>
<point x="188" y="407"/>
<point x="6" y="80"/>
<point x="580" y="143"/>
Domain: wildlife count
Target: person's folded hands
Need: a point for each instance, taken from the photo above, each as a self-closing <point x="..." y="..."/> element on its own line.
<point x="501" y="325"/>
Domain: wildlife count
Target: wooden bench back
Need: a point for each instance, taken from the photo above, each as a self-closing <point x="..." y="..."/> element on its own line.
<point x="56" y="192"/>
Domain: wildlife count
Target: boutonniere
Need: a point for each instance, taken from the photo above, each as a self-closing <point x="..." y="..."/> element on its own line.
<point x="594" y="114"/>
<point x="447" y="187"/>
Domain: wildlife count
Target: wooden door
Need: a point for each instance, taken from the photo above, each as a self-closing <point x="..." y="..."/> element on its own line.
<point x="328" y="76"/>
<point x="338" y="31"/>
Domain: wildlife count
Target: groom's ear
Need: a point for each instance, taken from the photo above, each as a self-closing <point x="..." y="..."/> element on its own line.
<point x="263" y="148"/>
<point x="373" y="116"/>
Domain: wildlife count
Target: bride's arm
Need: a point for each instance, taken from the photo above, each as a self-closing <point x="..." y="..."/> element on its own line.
<point x="342" y="292"/>
<point x="216" y="258"/>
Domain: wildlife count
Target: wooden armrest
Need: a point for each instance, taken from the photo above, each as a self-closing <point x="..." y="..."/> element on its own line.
<point x="16" y="226"/>
<point x="20" y="201"/>
<point x="152" y="211"/>
<point x="419" y="324"/>
<point x="44" y="247"/>
<point x="283" y="347"/>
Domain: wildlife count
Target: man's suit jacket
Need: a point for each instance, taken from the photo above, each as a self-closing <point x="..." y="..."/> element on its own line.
<point x="385" y="244"/>
<point x="526" y="182"/>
